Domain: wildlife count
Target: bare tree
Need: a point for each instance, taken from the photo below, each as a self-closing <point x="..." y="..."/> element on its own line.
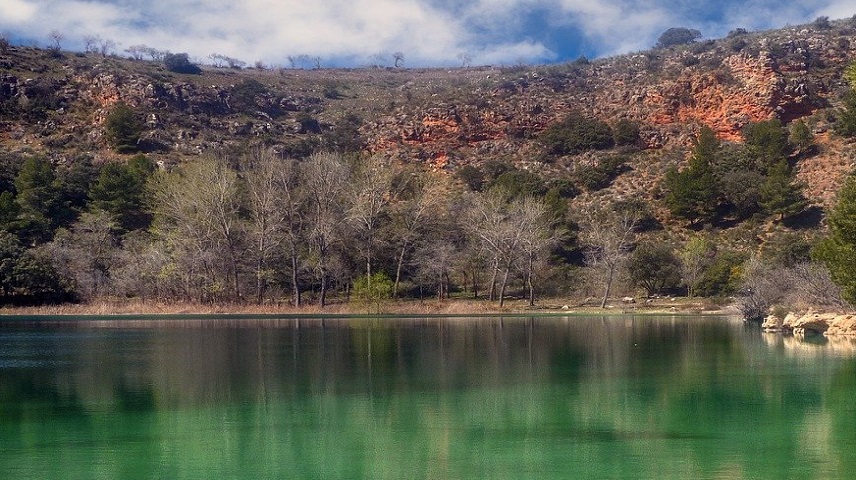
<point x="56" y="38"/>
<point x="369" y="197"/>
<point x="155" y="54"/>
<point x="538" y="237"/>
<point x="466" y="59"/>
<point x="275" y="206"/>
<point x="85" y="252"/>
<point x="398" y="57"/>
<point x="325" y="177"/>
<point x="412" y="218"/>
<point x="106" y="46"/>
<point x="610" y="233"/>
<point x="90" y="43"/>
<point x="503" y="226"/>
<point x="136" y="51"/>
<point x="197" y="210"/>
<point x="378" y="60"/>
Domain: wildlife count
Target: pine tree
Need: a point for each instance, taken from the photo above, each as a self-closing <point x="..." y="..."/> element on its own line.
<point x="838" y="250"/>
<point x="780" y="195"/>
<point x="692" y="193"/>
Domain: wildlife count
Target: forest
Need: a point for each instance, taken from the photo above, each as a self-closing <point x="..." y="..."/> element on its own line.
<point x="252" y="226"/>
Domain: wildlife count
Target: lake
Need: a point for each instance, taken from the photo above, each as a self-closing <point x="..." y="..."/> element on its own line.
<point x="586" y="397"/>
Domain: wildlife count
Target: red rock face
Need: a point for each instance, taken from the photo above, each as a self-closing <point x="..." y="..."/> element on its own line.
<point x="750" y="91"/>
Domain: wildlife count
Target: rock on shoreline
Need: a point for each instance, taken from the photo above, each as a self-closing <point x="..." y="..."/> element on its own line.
<point x="812" y="323"/>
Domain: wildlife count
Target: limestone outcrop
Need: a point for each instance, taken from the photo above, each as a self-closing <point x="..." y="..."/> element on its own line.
<point x="812" y="323"/>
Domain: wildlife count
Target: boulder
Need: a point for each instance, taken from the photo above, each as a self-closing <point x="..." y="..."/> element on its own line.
<point x="813" y="324"/>
<point x="842" y="325"/>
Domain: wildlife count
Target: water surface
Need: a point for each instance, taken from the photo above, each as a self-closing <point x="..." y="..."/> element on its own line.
<point x="552" y="397"/>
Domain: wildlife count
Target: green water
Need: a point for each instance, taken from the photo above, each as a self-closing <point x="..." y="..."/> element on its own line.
<point x="561" y="397"/>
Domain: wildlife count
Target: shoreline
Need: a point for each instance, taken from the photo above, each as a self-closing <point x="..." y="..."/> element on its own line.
<point x="406" y="308"/>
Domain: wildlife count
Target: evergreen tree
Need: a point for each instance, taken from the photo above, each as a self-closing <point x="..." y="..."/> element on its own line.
<point x="119" y="190"/>
<point x="802" y="138"/>
<point x="845" y="122"/>
<point x="692" y="193"/>
<point x="123" y="128"/>
<point x="767" y="143"/>
<point x="838" y="250"/>
<point x="39" y="200"/>
<point x="779" y="194"/>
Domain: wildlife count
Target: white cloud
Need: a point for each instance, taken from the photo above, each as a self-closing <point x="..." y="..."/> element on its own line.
<point x="16" y="11"/>
<point x="429" y="32"/>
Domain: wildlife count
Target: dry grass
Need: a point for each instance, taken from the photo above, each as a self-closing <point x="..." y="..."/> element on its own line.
<point x="403" y="307"/>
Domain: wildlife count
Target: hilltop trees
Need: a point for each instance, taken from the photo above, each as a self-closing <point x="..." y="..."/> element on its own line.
<point x="677" y="36"/>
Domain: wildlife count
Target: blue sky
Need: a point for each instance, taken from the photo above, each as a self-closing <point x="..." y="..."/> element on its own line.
<point x="428" y="32"/>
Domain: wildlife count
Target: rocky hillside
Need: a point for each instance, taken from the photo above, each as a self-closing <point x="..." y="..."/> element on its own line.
<point x="56" y="103"/>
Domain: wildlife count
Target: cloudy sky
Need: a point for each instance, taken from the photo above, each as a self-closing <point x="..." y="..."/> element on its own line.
<point x="428" y="32"/>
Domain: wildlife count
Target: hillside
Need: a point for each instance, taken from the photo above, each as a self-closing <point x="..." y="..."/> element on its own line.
<point x="56" y="104"/>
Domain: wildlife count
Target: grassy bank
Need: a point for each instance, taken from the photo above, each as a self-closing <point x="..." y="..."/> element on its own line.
<point x="404" y="307"/>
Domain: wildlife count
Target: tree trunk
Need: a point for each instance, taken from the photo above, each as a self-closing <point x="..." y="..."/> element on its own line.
<point x="492" y="294"/>
<point x="608" y="287"/>
<point x="502" y="288"/>
<point x="295" y="285"/>
<point x="398" y="271"/>
<point x="529" y="284"/>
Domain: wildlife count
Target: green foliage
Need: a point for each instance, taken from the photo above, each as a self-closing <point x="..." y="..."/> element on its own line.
<point x="9" y="212"/>
<point x="845" y="121"/>
<point x="677" y="36"/>
<point x="40" y="200"/>
<point x="767" y="142"/>
<point x="576" y="134"/>
<point x="180" y="63"/>
<point x="243" y="95"/>
<point x="850" y="75"/>
<point x="692" y="193"/>
<point x="599" y="176"/>
<point x="838" y="250"/>
<point x="520" y="183"/>
<point x="780" y="195"/>
<point x="655" y="267"/>
<point x="786" y="250"/>
<point x="345" y="136"/>
<point x="625" y="132"/>
<point x="372" y="292"/>
<point x="120" y="191"/>
<point x="723" y="276"/>
<point x="27" y="278"/>
<point x="308" y="123"/>
<point x="801" y="138"/>
<point x="472" y="177"/>
<point x="123" y="128"/>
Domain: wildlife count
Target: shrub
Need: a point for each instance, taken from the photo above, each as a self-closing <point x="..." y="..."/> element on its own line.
<point x="724" y="275"/>
<point x="576" y="134"/>
<point x="180" y="63"/>
<point x="625" y="132"/>
<point x="599" y="176"/>
<point x="372" y="292"/>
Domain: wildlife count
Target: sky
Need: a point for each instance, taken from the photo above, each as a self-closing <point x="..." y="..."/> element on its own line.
<point x="431" y="33"/>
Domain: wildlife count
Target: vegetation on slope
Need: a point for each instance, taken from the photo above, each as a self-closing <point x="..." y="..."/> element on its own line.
<point x="262" y="185"/>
